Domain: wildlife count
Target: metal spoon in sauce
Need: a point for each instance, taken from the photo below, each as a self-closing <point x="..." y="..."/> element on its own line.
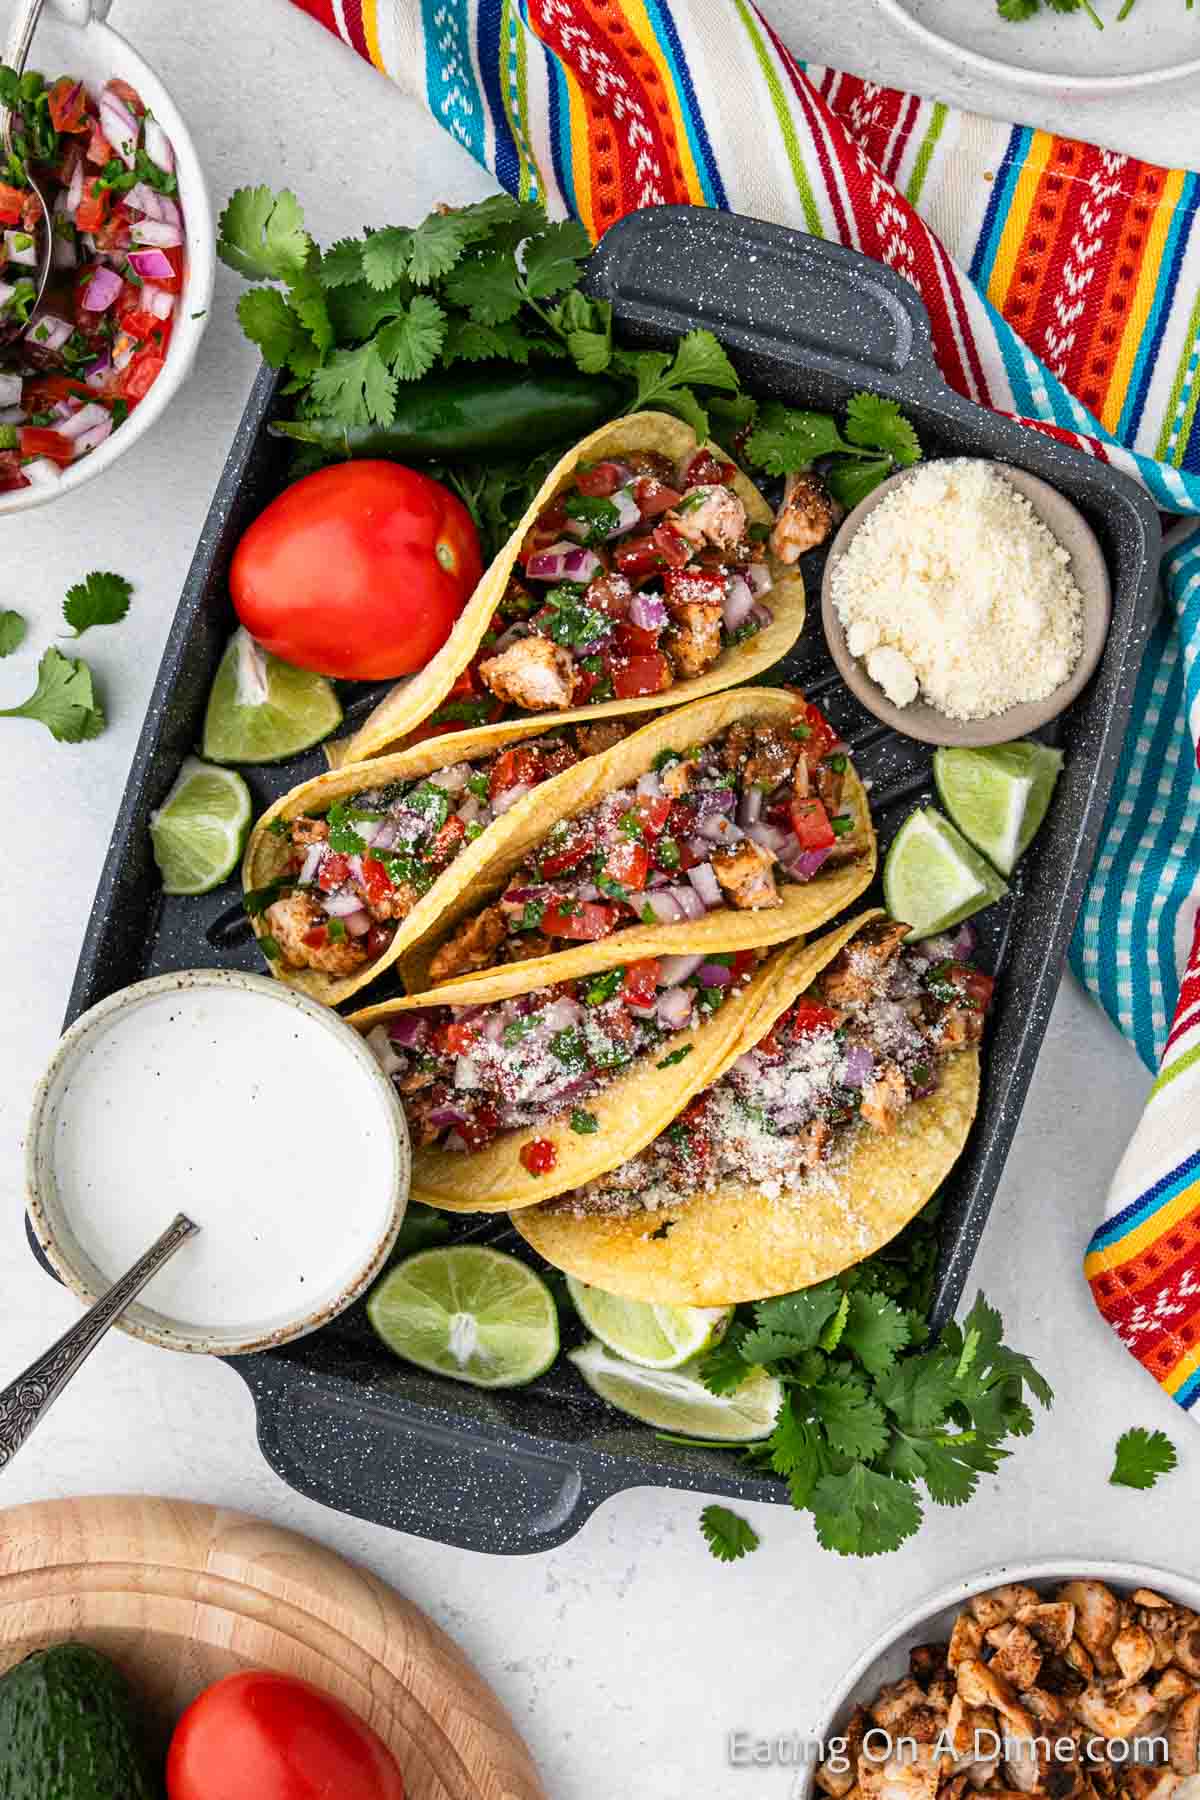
<point x="16" y="54"/>
<point x="26" y="1401"/>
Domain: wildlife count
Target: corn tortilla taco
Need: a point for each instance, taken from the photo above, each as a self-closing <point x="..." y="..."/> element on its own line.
<point x="512" y="1098"/>
<point x="734" y="822"/>
<point x="644" y="574"/>
<point x="347" y="870"/>
<point x="819" y="1137"/>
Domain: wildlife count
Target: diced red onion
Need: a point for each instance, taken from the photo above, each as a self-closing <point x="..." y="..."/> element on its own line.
<point x="563" y="562"/>
<point x="747" y="1064"/>
<point x="647" y="784"/>
<point x="628" y="509"/>
<point x="85" y="419"/>
<point x="769" y="836"/>
<point x="657" y="879"/>
<point x="62" y="409"/>
<point x="807" y="863"/>
<point x="10" y="391"/>
<point x="784" y="1116"/>
<point x="12" y="415"/>
<point x="688" y="899"/>
<point x="714" y="975"/>
<point x="493" y="1027"/>
<point x="648" y="612"/>
<point x="97" y="376"/>
<point x="965" y="940"/>
<point x="642" y="1012"/>
<point x="664" y="905"/>
<point x="7" y="290"/>
<point x="472" y="811"/>
<point x="41" y="472"/>
<point x="738" y="603"/>
<point x="168" y="210"/>
<point x="442" y="1116"/>
<point x="62" y="248"/>
<point x="937" y="949"/>
<point x="26" y="255"/>
<point x="710" y="801"/>
<point x="706" y="885"/>
<point x="342" y="904"/>
<point x="155" y="234"/>
<point x="368" y="830"/>
<point x="699" y="847"/>
<point x="454" y="1141"/>
<point x="586" y="890"/>
<point x="358" y="923"/>
<point x="411" y="1029"/>
<point x="92" y="440"/>
<point x="151" y="265"/>
<point x="453" y="779"/>
<point x="720" y="830"/>
<point x="522" y="896"/>
<point x="760" y="614"/>
<point x="931" y="1087"/>
<point x="158" y="146"/>
<point x="312" y="861"/>
<point x="561" y="1014"/>
<point x="510" y="796"/>
<point x="758" y="580"/>
<point x="156" y="300"/>
<point x="144" y="199"/>
<point x="48" y="332"/>
<point x="674" y="969"/>
<point x="119" y="127"/>
<point x="750" y="807"/>
<point x="858" y="1067"/>
<point x="674" y="1008"/>
<point x="75" y="191"/>
<point x="386" y="834"/>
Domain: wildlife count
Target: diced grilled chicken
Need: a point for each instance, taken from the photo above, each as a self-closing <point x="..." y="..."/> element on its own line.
<point x="1183" y="1736"/>
<point x="854" y="973"/>
<point x="533" y="673"/>
<point x="289" y="920"/>
<point x="772" y="758"/>
<point x="473" y="946"/>
<point x="744" y="873"/>
<point x="1150" y="1783"/>
<point x="884" y="1099"/>
<point x="805" y="519"/>
<point x="926" y="1662"/>
<point x="303" y="833"/>
<point x="1018" y="1657"/>
<point x="592" y="740"/>
<point x="710" y="515"/>
<point x="1133" y="1653"/>
<point x="1171" y="1686"/>
<point x="417" y="1108"/>
<point x="894" y="1701"/>
<point x="693" y="637"/>
<point x="1051" y="1622"/>
<point x="979" y="1685"/>
<point x="396" y="904"/>
<point x="1187" y="1646"/>
<point x="678" y="778"/>
<point x="913" y="1776"/>
<point x="959" y="1027"/>
<point x="966" y="1639"/>
<point x="1115" y="1715"/>
<point x="998" y="1604"/>
<point x="1097" y="1620"/>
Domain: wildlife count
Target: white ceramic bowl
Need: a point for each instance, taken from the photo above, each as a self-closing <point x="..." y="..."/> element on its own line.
<point x="930" y="1620"/>
<point x="71" y="40"/>
<point x="242" y="1102"/>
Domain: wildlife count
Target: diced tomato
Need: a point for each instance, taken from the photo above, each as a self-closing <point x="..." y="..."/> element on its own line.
<point x="809" y="1015"/>
<point x="769" y="1046"/>
<point x="316" y="938"/>
<point x="34" y="441"/>
<point x="706" y="468"/>
<point x="94" y="208"/>
<point x="629" y="863"/>
<point x="821" y="735"/>
<point x="635" y="640"/>
<point x="129" y="95"/>
<point x="513" y="768"/>
<point x="140" y="325"/>
<point x="539" y="1156"/>
<point x="456" y="1039"/>
<point x="68" y="105"/>
<point x="974" y="987"/>
<point x="377" y="883"/>
<point x="377" y="940"/>
<point x="567" y="855"/>
<point x="637" y="557"/>
<point x="12" y="204"/>
<point x="682" y="585"/>
<point x="588" y="922"/>
<point x="546" y="530"/>
<point x="333" y="871"/>
<point x="672" y="548"/>
<point x="693" y="1143"/>
<point x="641" y="982"/>
<point x="552" y="759"/>
<point x="45" y="391"/>
<point x="141" y="375"/>
<point x="743" y="964"/>
<point x="654" y="496"/>
<point x="10" y="472"/>
<point x="641" y="675"/>
<point x="99" y="150"/>
<point x="610" y="593"/>
<point x="448" y="839"/>
<point x="810" y="822"/>
<point x="653" y="811"/>
<point x="603" y="478"/>
<point x="480" y="1128"/>
<point x="173" y="283"/>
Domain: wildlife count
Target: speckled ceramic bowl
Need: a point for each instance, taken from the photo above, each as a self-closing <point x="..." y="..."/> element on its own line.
<point x="248" y="1105"/>
<point x="920" y="720"/>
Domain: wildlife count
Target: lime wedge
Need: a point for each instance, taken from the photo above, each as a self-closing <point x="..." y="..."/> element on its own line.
<point x="932" y="878"/>
<point x="471" y="1313"/>
<point x="674" y="1400"/>
<point x="998" y="797"/>
<point x="200" y="828"/>
<point x="261" y="710"/>
<point x="657" y="1337"/>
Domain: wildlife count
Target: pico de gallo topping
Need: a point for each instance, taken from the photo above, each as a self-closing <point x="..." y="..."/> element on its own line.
<point x="465" y="1074"/>
<point x="355" y="871"/>
<point x="720" y="824"/>
<point x="99" y="339"/>
<point x="637" y="576"/>
<point x="851" y="1055"/>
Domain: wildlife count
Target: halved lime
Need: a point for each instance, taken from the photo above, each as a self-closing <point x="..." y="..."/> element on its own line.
<point x="933" y="878"/>
<point x="261" y="710"/>
<point x="674" y="1400"/>
<point x="469" y="1312"/>
<point x="200" y="828"/>
<point x="998" y="797"/>
<point x="657" y="1337"/>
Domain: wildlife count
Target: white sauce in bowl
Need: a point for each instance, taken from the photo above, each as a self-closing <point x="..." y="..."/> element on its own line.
<point x="245" y="1105"/>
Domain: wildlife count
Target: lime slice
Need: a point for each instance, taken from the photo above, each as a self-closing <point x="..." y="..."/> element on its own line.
<point x="657" y="1337"/>
<point x="998" y="797"/>
<point x="675" y="1401"/>
<point x="200" y="828"/>
<point x="468" y="1312"/>
<point x="933" y="879"/>
<point x="261" y="710"/>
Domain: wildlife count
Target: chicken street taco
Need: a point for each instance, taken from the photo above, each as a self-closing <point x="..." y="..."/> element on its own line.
<point x="348" y="869"/>
<point x="513" y="1098"/>
<point x="825" y="1131"/>
<point x="736" y="821"/>
<point x="647" y="571"/>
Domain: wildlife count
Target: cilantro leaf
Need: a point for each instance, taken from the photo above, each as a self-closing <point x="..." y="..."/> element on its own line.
<point x="831" y="1334"/>
<point x="486" y="286"/>
<point x="437" y="245"/>
<point x="341" y="264"/>
<point x="878" y="424"/>
<point x="701" y="362"/>
<point x="727" y="1535"/>
<point x="862" y="1513"/>
<point x="268" y="321"/>
<point x="796" y="1452"/>
<point x="385" y="256"/>
<point x="802" y="1316"/>
<point x="358" y="311"/>
<point x="850" y="482"/>
<point x="469" y="341"/>
<point x="1017" y="10"/>
<point x="723" y="1368"/>
<point x="64" y="700"/>
<point x="586" y="329"/>
<point x="356" y="387"/>
<point x="854" y="1423"/>
<point x="410" y="344"/>
<point x="765" y="1346"/>
<point x="787" y="440"/>
<point x="307" y="299"/>
<point x="1142" y="1456"/>
<point x="876" y="1330"/>
<point x="949" y="1465"/>
<point x="261" y="234"/>
<point x="552" y="259"/>
<point x="918" y="1391"/>
<point x="101" y="598"/>
<point x="12" y="630"/>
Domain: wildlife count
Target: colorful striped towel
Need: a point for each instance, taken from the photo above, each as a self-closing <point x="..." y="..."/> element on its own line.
<point x="1063" y="286"/>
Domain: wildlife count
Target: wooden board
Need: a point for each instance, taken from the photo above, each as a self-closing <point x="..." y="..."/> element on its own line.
<point x="180" y="1595"/>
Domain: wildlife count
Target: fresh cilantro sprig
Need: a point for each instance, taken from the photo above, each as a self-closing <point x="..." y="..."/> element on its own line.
<point x="727" y="1534"/>
<point x="101" y="598"/>
<point x="64" y="700"/>
<point x="875" y="441"/>
<point x="1019" y="10"/>
<point x="1141" y="1457"/>
<point x="12" y="631"/>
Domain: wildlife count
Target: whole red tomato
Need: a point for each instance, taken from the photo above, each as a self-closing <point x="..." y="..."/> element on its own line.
<point x="260" y="1736"/>
<point x="359" y="570"/>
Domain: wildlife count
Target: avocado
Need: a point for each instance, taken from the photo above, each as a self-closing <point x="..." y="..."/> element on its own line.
<point x="69" y="1730"/>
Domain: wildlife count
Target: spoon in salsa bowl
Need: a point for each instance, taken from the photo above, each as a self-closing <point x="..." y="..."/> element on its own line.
<point x="16" y="55"/>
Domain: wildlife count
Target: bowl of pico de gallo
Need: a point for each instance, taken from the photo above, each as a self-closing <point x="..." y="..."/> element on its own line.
<point x="90" y="370"/>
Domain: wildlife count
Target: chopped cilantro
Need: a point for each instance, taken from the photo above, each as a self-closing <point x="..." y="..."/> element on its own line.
<point x="666" y="853"/>
<point x="342" y="836"/>
<point x="600" y="516"/>
<point x="676" y="1056"/>
<point x="727" y="1534"/>
<point x="478" y="785"/>
<point x="572" y="622"/>
<point x="269" y="947"/>
<point x="604" y="987"/>
<point x="568" y="1046"/>
<point x="101" y="598"/>
<point x="336" y="929"/>
<point x="841" y="824"/>
<point x="432" y="802"/>
<point x="839" y="763"/>
<point x="516" y="1029"/>
<point x="648" y="915"/>
<point x="583" y="1121"/>
<point x="665" y="758"/>
<point x="532" y="915"/>
<point x="257" y="900"/>
<point x="474" y="830"/>
<point x="1142" y="1456"/>
<point x="630" y="825"/>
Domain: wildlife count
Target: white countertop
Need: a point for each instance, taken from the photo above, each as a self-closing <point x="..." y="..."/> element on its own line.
<point x="627" y="1654"/>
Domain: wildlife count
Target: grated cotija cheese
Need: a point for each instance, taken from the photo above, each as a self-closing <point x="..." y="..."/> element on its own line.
<point x="954" y="587"/>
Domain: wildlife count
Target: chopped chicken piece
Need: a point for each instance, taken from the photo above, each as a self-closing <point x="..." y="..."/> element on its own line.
<point x="1050" y="1710"/>
<point x="394" y="905"/>
<point x="811" y="1144"/>
<point x="965" y="1726"/>
<point x="592" y="740"/>
<point x="1115" y="1715"/>
<point x="910" y="1777"/>
<point x="1077" y="1658"/>
<point x="1052" y="1623"/>
<point x="854" y="971"/>
<point x="1183" y="1736"/>
<point x="979" y="1686"/>
<point x="883" y="1103"/>
<point x="998" y="1604"/>
<point x="289" y="920"/>
<point x="1133" y="1653"/>
<point x="417" y="1110"/>
<point x="532" y="673"/>
<point x="959" y="1027"/>
<point x="738" y="740"/>
<point x="805" y="519"/>
<point x="677" y="779"/>
<point x="1172" y="1686"/>
<point x="745" y="874"/>
<point x="1018" y="1657"/>
<point x="712" y="515"/>
<point x="894" y="1701"/>
<point x="304" y="833"/>
<point x="694" y="636"/>
<point x="527" y="945"/>
<point x="1097" y="1619"/>
<point x="1187" y="1647"/>
<point x="966" y="1639"/>
<point x="772" y="758"/>
<point x="473" y="945"/>
<point x="1149" y="1784"/>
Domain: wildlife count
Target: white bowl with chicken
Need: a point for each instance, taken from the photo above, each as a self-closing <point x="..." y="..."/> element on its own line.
<point x="1036" y="1657"/>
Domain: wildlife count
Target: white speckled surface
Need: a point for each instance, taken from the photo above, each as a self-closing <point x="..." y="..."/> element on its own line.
<point x="626" y="1654"/>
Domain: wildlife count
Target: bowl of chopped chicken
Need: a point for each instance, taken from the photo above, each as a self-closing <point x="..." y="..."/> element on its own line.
<point x="1074" y="1686"/>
